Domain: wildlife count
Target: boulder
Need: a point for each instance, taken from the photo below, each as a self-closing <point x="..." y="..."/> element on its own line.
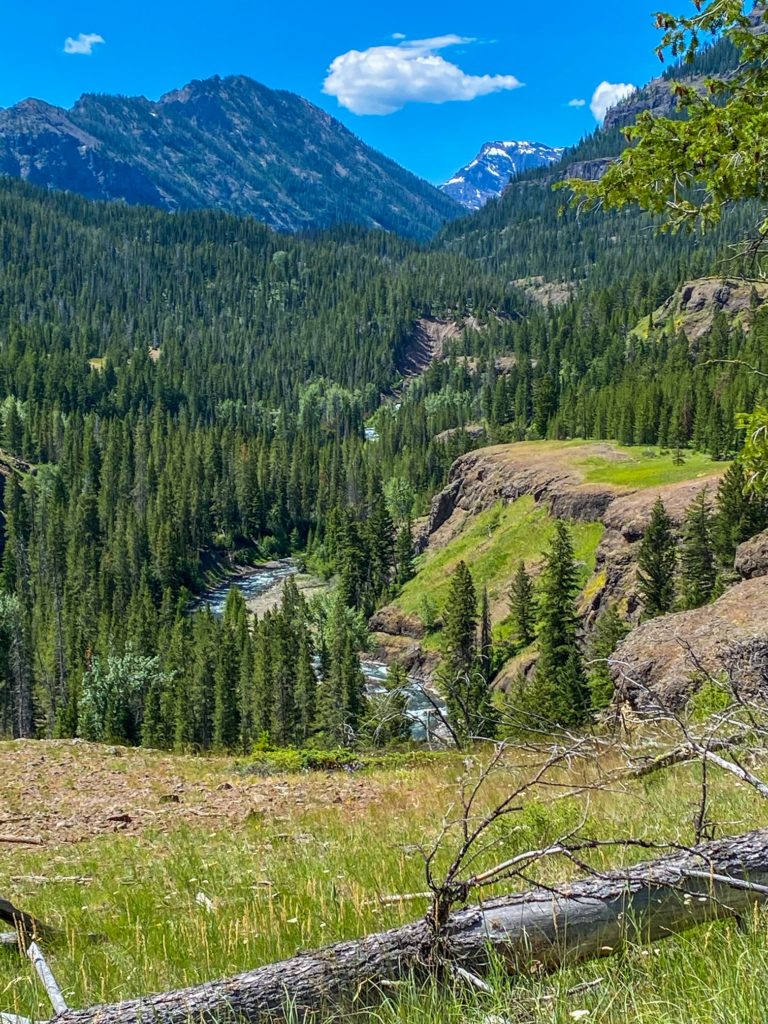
<point x="394" y="622"/>
<point x="668" y="657"/>
<point x="752" y="557"/>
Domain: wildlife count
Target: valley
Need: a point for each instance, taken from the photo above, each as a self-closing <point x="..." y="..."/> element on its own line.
<point x="384" y="566"/>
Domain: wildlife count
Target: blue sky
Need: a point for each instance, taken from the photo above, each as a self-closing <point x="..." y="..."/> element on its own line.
<point x="516" y="64"/>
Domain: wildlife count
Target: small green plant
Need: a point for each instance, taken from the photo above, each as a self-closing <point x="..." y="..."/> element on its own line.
<point x="711" y="698"/>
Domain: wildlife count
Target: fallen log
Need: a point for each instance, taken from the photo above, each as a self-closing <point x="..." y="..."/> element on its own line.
<point x="29" y="927"/>
<point x="585" y="919"/>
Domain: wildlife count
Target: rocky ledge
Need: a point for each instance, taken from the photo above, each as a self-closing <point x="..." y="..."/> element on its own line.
<point x="665" y="661"/>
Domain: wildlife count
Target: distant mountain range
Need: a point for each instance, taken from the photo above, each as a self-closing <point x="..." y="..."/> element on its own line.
<point x="229" y="144"/>
<point x="494" y="167"/>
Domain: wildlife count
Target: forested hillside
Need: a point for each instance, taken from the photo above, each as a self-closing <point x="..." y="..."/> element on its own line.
<point x="185" y="391"/>
<point x="182" y="386"/>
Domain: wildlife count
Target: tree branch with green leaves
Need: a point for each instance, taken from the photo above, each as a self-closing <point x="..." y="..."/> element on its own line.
<point x="687" y="170"/>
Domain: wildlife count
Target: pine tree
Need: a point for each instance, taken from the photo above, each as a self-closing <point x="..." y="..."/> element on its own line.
<point x="306" y="690"/>
<point x="522" y="607"/>
<point x="698" y="574"/>
<point x="610" y="630"/>
<point x="657" y="561"/>
<point x="558" y="692"/>
<point x="465" y="675"/>
<point x="341" y="696"/>
<point x="460" y="624"/>
<point x="485" y="645"/>
<point x="404" y="554"/>
<point x="740" y="514"/>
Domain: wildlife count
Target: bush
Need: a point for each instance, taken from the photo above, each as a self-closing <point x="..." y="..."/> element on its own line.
<point x="293" y="761"/>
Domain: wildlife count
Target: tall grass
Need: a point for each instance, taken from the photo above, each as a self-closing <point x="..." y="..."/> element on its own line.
<point x="310" y="875"/>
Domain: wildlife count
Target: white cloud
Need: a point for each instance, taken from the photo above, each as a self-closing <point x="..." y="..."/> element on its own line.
<point x="398" y="35"/>
<point x="84" y="43"/>
<point x="383" y="79"/>
<point x="577" y="103"/>
<point x="607" y="95"/>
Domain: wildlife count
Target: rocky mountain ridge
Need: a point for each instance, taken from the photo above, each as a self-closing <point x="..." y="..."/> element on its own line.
<point x="223" y="143"/>
<point x="493" y="168"/>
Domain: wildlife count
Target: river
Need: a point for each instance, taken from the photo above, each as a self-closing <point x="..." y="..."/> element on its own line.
<point x="262" y="586"/>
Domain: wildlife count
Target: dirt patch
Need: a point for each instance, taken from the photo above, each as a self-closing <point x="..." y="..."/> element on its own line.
<point x="70" y="791"/>
<point x="426" y="343"/>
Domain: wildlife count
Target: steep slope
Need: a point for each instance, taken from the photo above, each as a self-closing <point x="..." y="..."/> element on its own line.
<point x="499" y="507"/>
<point x="229" y="144"/>
<point x="494" y="167"/>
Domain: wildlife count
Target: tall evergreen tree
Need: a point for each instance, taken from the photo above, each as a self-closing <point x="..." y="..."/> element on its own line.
<point x="522" y="607"/>
<point x="485" y="644"/>
<point x="610" y="629"/>
<point x="460" y="623"/>
<point x="740" y="514"/>
<point x="464" y="675"/>
<point x="404" y="568"/>
<point x="558" y="692"/>
<point x="657" y="562"/>
<point x="698" y="574"/>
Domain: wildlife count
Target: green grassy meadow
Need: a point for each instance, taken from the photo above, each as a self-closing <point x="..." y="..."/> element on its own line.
<point x="313" y="871"/>
<point x="642" y="468"/>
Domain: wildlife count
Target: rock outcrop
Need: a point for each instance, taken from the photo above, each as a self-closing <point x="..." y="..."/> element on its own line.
<point x="693" y="307"/>
<point x="556" y="478"/>
<point x="590" y="170"/>
<point x="752" y="557"/>
<point x="669" y="657"/>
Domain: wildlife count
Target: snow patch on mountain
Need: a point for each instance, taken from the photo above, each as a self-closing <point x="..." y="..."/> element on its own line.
<point x="493" y="168"/>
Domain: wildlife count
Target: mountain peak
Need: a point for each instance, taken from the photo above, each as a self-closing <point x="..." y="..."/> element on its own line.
<point x="493" y="168"/>
<point x="222" y="143"/>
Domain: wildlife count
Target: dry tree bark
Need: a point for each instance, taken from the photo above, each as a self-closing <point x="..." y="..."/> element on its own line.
<point x="588" y="918"/>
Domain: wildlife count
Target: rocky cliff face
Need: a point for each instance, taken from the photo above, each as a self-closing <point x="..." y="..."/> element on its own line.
<point x="752" y="557"/>
<point x="590" y="170"/>
<point x="656" y="97"/>
<point x="668" y="658"/>
<point x="555" y="478"/>
<point x="693" y="307"/>
<point x="228" y="144"/>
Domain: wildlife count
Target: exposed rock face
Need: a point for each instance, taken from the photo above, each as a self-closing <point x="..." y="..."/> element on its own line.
<point x="590" y="170"/>
<point x="752" y="557"/>
<point x="427" y="342"/>
<point x="229" y="144"/>
<point x="657" y="97"/>
<point x="507" y="472"/>
<point x="666" y="656"/>
<point x="555" y="479"/>
<point x="692" y="308"/>
<point x="392" y="621"/>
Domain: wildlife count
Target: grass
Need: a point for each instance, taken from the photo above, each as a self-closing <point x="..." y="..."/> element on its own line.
<point x="492" y="544"/>
<point x="643" y="468"/>
<point x="310" y="872"/>
<point x="494" y="541"/>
